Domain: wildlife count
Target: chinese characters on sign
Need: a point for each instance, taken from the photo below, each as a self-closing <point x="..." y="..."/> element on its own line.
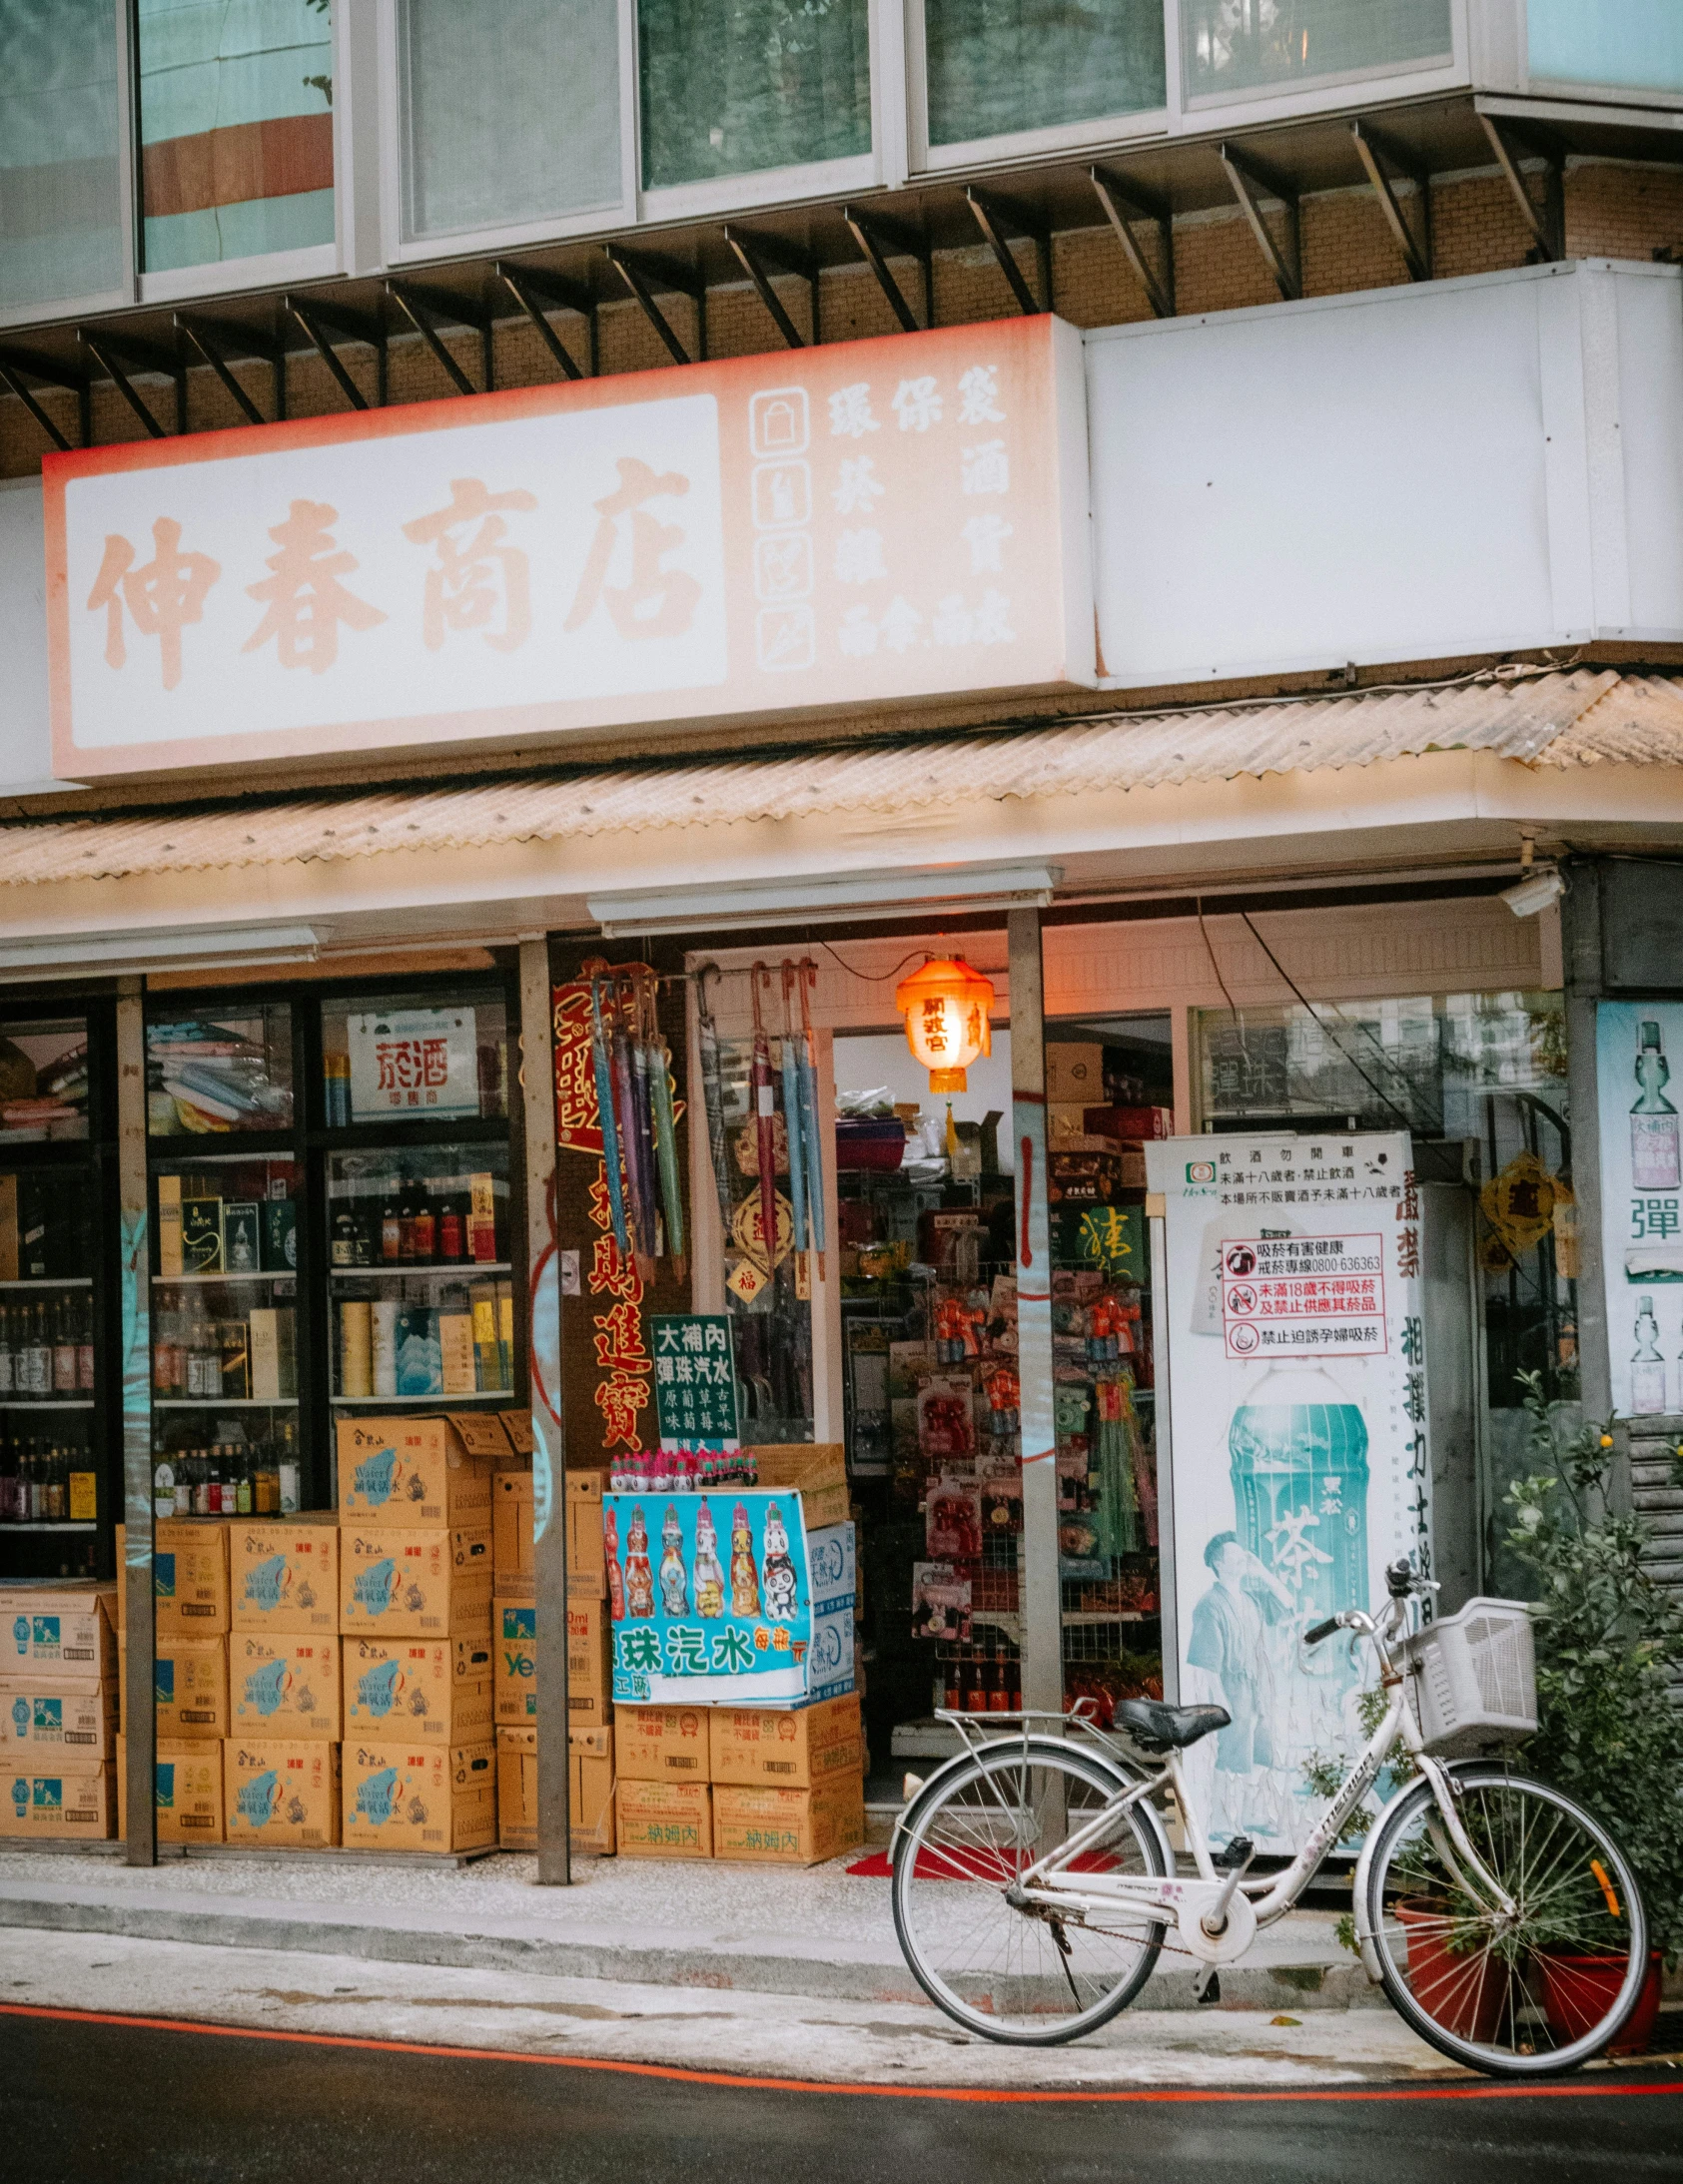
<point x="695" y="1382"/>
<point x="887" y="518"/>
<point x="1301" y="1463"/>
<point x="414" y="1061"/>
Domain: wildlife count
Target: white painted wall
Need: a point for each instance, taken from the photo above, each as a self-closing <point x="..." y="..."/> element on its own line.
<point x="26" y="744"/>
<point x="1404" y="474"/>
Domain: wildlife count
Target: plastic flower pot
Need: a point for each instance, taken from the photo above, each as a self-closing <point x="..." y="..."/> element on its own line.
<point x="1464" y="1990"/>
<point x="1578" y="1991"/>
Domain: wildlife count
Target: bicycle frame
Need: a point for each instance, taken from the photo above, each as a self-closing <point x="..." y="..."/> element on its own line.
<point x="1211" y="1929"/>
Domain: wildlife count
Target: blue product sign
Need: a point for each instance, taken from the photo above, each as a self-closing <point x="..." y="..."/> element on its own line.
<point x="710" y="1597"/>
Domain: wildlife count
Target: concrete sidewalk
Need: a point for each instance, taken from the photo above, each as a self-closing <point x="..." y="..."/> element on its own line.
<point x="820" y="1932"/>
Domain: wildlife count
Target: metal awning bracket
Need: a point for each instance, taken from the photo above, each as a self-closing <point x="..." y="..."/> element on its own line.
<point x="642" y="274"/>
<point x="218" y="343"/>
<point x="320" y="321"/>
<point x="16" y="363"/>
<point x="1511" y="144"/>
<point x="427" y="311"/>
<point x="1119" y="197"/>
<point x="1249" y="182"/>
<point x="1376" y="152"/>
<point x="112" y="350"/>
<point x="754" y="252"/>
<point x="876" y="235"/>
<point x="993" y="216"/>
<point x="539" y="293"/>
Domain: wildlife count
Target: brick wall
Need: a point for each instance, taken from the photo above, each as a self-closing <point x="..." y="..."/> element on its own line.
<point x="1613" y="209"/>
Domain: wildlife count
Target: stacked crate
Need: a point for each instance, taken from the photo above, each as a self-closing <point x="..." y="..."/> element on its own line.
<point x="281" y="1760"/>
<point x="58" y="1710"/>
<point x="414" y="1615"/>
<point x="191" y="1619"/>
<point x="781" y="1785"/>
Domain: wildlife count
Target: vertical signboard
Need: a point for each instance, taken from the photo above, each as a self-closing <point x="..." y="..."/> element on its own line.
<point x="1297" y="1409"/>
<point x="1636" y="1044"/>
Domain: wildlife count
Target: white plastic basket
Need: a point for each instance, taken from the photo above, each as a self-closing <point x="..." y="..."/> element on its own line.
<point x="1473" y="1677"/>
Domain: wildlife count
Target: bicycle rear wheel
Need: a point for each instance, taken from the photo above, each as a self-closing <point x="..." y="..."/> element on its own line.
<point x="1011" y="1974"/>
<point x="1519" y="1994"/>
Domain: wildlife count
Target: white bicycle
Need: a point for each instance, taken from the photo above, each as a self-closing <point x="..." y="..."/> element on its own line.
<point x="1034" y="1884"/>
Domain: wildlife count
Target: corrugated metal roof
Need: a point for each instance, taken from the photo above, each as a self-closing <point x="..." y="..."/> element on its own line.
<point x="1586" y="717"/>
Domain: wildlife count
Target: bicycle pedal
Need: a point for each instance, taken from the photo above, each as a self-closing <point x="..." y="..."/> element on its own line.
<point x="1235" y="1856"/>
<point x="1206" y="1984"/>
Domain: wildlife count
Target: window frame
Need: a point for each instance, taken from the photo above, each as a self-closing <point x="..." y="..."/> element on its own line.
<point x="124" y="290"/>
<point x="475" y="242"/>
<point x="1273" y="101"/>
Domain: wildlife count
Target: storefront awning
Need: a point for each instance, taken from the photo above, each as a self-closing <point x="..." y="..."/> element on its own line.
<point x="1547" y="719"/>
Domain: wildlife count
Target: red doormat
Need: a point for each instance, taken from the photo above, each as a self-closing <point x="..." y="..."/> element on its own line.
<point x="874" y="1867"/>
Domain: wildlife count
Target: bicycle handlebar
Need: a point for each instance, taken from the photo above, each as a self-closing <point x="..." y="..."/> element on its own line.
<point x="1329" y="1629"/>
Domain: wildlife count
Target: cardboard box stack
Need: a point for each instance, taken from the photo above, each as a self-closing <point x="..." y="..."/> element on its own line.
<point x="1093" y="1149"/>
<point x="590" y="1725"/>
<point x="58" y="1710"/>
<point x="279" y="1774"/>
<point x="414" y="1624"/>
<point x="192" y="1614"/>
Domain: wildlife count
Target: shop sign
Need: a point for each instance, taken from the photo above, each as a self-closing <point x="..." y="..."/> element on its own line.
<point x="1297" y="1433"/>
<point x="1641" y="1197"/>
<point x="424" y="1061"/>
<point x="849" y="526"/>
<point x="694" y="1382"/>
<point x="728" y="1599"/>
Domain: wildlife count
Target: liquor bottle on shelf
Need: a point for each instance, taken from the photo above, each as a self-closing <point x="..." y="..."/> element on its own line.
<point x="424" y="1234"/>
<point x="287" y="1469"/>
<point x="40" y="1355"/>
<point x="8" y="1360"/>
<point x="64" y="1348"/>
<point x="392" y="1228"/>
<point x="85" y="1345"/>
<point x="345" y="1235"/>
<point x="452" y="1223"/>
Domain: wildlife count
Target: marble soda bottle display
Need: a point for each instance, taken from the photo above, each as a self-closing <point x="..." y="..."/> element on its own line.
<point x="1654" y="1154"/>
<point x="1297" y="1447"/>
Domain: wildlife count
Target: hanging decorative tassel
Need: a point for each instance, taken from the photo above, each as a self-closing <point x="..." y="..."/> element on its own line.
<point x="603" y="1067"/>
<point x="712" y="1093"/>
<point x="665" y="1129"/>
<point x="809" y="1118"/>
<point x="765" y="1122"/>
<point x="793" y="1128"/>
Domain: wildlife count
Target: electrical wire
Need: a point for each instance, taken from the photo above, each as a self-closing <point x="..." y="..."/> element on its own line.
<point x="1377" y="1091"/>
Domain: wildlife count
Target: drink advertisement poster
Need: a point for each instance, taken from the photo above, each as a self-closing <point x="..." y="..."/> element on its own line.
<point x="727" y="1599"/>
<point x="1298" y="1430"/>
<point x="1641" y="1192"/>
<point x="694" y="1383"/>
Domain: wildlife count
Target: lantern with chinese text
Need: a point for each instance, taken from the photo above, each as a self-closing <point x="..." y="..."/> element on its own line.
<point x="946" y="1008"/>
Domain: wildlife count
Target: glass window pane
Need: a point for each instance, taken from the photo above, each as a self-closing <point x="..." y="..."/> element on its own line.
<point x="59" y="226"/>
<point x="44" y="1080"/>
<point x="1244" y="45"/>
<point x="1001" y="65"/>
<point x="512" y="114"/>
<point x="1634" y="42"/>
<point x="235" y="125"/>
<point x="415" y="1057"/>
<point x="755" y="84"/>
<point x="211" y="1074"/>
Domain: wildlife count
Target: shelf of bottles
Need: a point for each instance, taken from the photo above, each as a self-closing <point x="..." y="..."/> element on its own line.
<point x="49" y="1466"/>
<point x="421" y="1280"/>
<point x="225" y="1388"/>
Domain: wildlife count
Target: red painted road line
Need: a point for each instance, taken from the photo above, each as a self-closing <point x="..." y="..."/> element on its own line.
<point x="1479" y="2091"/>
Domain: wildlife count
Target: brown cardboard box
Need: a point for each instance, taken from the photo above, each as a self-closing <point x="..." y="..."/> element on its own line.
<point x="281" y="1794"/>
<point x="414" y="1796"/>
<point x="187" y="1790"/>
<point x="1067" y="1131"/>
<point x="1075" y="1072"/>
<point x="789" y="1826"/>
<point x="665" y="1820"/>
<point x="659" y="1743"/>
<point x="44" y="1723"/>
<point x="589" y="1790"/>
<point x="514" y="1669"/>
<point x="817" y="1471"/>
<point x="283" y="1574"/>
<point x="280" y="1685"/>
<point x="190" y="1686"/>
<point x="74" y="1804"/>
<point x="420" y="1474"/>
<point x="63" y="1630"/>
<point x="437" y="1688"/>
<point x="785" y="1747"/>
<point x="512" y="1535"/>
<point x="517" y="1425"/>
<point x="189" y="1576"/>
<point x="394" y="1584"/>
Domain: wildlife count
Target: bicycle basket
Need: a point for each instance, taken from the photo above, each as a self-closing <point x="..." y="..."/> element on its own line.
<point x="1473" y="1679"/>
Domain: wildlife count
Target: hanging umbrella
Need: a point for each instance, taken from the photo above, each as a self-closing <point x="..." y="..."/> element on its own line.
<point x="793" y="1128"/>
<point x="814" y="1150"/>
<point x="665" y="1128"/>
<point x="712" y="1091"/>
<point x="603" y="1067"/>
<point x="765" y="1122"/>
<point x="626" y="1116"/>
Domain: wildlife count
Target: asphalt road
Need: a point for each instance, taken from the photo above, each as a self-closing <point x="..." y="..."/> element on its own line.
<point x="83" y="2099"/>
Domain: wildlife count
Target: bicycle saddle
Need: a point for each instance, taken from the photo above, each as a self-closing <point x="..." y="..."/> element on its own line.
<point x="1150" y="1721"/>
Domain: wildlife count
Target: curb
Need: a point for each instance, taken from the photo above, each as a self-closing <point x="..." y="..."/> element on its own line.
<point x="761" y="1971"/>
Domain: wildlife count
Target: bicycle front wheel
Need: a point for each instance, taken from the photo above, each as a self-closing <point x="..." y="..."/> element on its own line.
<point x="1538" y="1988"/>
<point x="1015" y="1974"/>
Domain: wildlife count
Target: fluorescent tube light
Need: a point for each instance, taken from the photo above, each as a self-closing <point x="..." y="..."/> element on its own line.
<point x="256" y="944"/>
<point x="836" y="897"/>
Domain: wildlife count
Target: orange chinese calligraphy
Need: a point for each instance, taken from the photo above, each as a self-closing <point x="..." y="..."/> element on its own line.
<point x="474" y="573"/>
<point x="306" y="601"/>
<point x="618" y="1340"/>
<point x="655" y="601"/>
<point x="619" y="1399"/>
<point x="162" y="598"/>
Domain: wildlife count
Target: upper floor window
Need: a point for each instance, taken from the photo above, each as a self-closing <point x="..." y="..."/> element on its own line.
<point x="235" y="128"/>
<point x="511" y="112"/>
<point x="995" y="67"/>
<point x="60" y="201"/>
<point x="1230" y="46"/>
<point x="750" y="86"/>
<point x="1634" y="43"/>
